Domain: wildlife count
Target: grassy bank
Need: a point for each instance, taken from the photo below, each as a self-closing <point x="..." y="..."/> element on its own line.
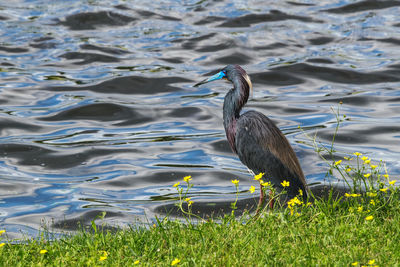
<point x="361" y="230"/>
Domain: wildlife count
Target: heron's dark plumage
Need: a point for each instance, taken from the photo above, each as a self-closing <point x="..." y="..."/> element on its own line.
<point x="262" y="147"/>
<point x="257" y="141"/>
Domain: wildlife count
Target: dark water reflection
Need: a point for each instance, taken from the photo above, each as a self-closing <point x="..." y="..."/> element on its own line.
<point x="98" y="112"/>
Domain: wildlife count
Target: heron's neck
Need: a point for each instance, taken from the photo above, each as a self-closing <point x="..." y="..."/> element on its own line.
<point x="234" y="101"/>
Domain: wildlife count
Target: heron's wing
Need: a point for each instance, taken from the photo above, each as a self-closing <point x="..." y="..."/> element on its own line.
<point x="263" y="148"/>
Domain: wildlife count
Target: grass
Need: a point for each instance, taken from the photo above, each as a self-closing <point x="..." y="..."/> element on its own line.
<point x="320" y="234"/>
<point x="358" y="228"/>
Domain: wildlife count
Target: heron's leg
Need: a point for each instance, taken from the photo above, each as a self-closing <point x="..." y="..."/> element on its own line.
<point x="262" y="194"/>
<point x="261" y="200"/>
<point x="271" y="200"/>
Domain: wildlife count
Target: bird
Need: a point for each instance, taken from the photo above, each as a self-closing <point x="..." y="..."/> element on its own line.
<point x="256" y="140"/>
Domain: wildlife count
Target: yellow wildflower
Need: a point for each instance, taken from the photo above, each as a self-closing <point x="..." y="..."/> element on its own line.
<point x="235" y="182"/>
<point x="266" y="184"/>
<point x="2" y="232"/>
<point x="367" y="175"/>
<point x="357" y="154"/>
<point x="258" y="176"/>
<point x="338" y="162"/>
<point x="252" y="189"/>
<point x="285" y="183"/>
<point x="392" y="182"/>
<point x="136" y="262"/>
<point x="360" y="209"/>
<point x="308" y="204"/>
<point x="300" y="192"/>
<point x="355" y="263"/>
<point x="364" y="158"/>
<point x="189" y="201"/>
<point x="175" y="261"/>
<point x="373" y="166"/>
<point x="369" y="218"/>
<point x="187" y="178"/>
<point x="386" y="175"/>
<point x="176" y="184"/>
<point x="351" y="195"/>
<point x="291" y="211"/>
<point x="2" y="244"/>
<point x="372" y="202"/>
<point x="294" y="201"/>
<point x="383" y="189"/>
<point x="348" y="170"/>
<point x="371" y="262"/>
<point x="371" y="194"/>
<point x="347" y="158"/>
<point x="104" y="257"/>
<point x="297" y="201"/>
<point x="368" y="161"/>
<point x="43" y="251"/>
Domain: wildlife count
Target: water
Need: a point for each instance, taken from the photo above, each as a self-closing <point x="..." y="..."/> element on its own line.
<point x="98" y="112"/>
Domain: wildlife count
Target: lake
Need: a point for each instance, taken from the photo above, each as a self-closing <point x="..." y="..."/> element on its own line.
<point x="98" y="111"/>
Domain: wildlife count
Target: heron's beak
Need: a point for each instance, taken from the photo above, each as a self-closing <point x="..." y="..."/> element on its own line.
<point x="218" y="76"/>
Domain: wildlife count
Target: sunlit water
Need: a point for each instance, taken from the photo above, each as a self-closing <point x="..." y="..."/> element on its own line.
<point x="98" y="112"/>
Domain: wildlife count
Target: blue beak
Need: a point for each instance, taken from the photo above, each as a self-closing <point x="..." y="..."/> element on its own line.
<point x="220" y="75"/>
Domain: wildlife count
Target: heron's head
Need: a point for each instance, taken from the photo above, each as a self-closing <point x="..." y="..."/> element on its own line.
<point x="232" y="73"/>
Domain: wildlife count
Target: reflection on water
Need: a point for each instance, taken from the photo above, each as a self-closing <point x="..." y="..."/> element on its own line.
<point x="98" y="112"/>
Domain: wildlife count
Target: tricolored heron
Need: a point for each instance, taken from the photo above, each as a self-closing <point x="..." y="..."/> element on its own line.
<point x="257" y="141"/>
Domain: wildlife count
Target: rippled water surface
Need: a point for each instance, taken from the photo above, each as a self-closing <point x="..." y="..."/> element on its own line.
<point x="98" y="112"/>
